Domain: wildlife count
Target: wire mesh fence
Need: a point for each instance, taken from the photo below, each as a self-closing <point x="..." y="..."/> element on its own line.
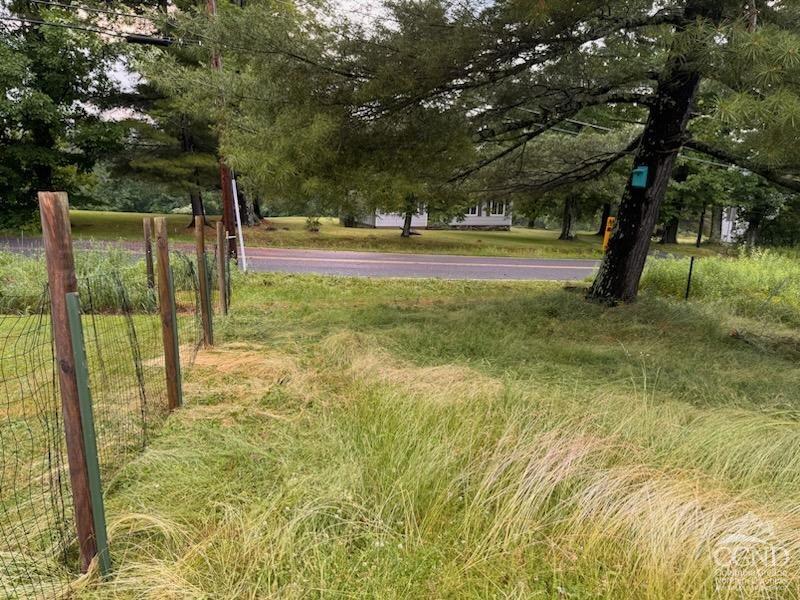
<point x="187" y="302"/>
<point x="125" y="360"/>
<point x="125" y="356"/>
<point x="36" y="529"/>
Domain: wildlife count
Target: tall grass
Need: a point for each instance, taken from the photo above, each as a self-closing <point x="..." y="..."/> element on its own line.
<point x="460" y="439"/>
<point x="106" y="270"/>
<point x="362" y="475"/>
<point x="762" y="284"/>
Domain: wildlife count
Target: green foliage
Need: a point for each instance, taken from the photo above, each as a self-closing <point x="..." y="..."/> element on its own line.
<point x="759" y="201"/>
<point x="109" y="192"/>
<point x="298" y="131"/>
<point x="52" y="81"/>
<point x="312" y="224"/>
<point x="169" y="149"/>
<point x="762" y="70"/>
<point x="693" y="189"/>
<point x="785" y="229"/>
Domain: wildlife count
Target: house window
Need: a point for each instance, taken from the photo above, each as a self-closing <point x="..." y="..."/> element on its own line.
<point x="497" y="207"/>
<point x="473" y="210"/>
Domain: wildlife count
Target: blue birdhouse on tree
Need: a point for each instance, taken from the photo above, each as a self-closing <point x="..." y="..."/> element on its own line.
<point x="639" y="177"/>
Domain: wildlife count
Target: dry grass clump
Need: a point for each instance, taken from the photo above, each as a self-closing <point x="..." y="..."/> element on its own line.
<point x="364" y="360"/>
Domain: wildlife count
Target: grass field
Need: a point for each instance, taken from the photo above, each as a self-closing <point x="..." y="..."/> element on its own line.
<point x="431" y="439"/>
<point x="290" y="232"/>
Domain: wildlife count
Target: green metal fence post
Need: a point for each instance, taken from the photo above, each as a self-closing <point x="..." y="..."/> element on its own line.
<point x="89" y="438"/>
<point x="208" y="308"/>
<point x="174" y="311"/>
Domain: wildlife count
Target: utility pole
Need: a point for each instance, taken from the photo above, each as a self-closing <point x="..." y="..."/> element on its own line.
<point x="226" y="181"/>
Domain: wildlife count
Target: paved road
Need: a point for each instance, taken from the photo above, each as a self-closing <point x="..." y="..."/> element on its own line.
<point x="377" y="264"/>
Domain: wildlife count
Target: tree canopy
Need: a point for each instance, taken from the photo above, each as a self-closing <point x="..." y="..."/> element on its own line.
<point x="54" y="85"/>
<point x="439" y="101"/>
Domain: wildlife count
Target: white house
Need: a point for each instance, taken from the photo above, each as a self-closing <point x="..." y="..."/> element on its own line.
<point x="732" y="227"/>
<point x="396" y="220"/>
<point x="494" y="214"/>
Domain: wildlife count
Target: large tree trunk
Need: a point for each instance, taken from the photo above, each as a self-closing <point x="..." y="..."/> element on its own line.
<point x="670" y="233"/>
<point x="257" y="208"/>
<point x="196" y="199"/>
<point x="407" y="224"/>
<point x="411" y="209"/>
<point x="700" y="227"/>
<point x="604" y="215"/>
<point x="568" y="218"/>
<point x="619" y="274"/>
<point x="753" y="229"/>
<point x="246" y="210"/>
<point x="715" y="237"/>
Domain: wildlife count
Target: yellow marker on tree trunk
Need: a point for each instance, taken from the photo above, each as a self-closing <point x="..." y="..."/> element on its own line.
<point x="609" y="228"/>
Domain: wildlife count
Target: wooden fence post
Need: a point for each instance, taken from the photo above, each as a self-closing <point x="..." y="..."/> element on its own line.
<point x="202" y="278"/>
<point x="54" y="210"/>
<point x="89" y="436"/>
<point x="148" y="251"/>
<point x="169" y="321"/>
<point x="222" y="267"/>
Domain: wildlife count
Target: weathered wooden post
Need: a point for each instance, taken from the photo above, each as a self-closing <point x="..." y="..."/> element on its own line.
<point x="169" y="321"/>
<point x="222" y="267"/>
<point x="54" y="210"/>
<point x="148" y="251"/>
<point x="202" y="277"/>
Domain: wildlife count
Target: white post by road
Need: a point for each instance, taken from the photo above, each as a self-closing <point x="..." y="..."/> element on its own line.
<point x="243" y="262"/>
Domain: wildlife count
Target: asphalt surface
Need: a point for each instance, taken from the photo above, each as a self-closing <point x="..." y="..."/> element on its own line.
<point x="375" y="264"/>
<point x="379" y="264"/>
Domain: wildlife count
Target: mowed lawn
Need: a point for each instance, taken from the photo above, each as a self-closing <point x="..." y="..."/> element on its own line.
<point x="442" y="439"/>
<point x="290" y="232"/>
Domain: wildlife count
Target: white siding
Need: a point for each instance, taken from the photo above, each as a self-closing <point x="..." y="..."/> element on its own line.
<point x="378" y="219"/>
<point x="483" y="221"/>
<point x="731" y="230"/>
<point x="486" y="218"/>
<point x="502" y="218"/>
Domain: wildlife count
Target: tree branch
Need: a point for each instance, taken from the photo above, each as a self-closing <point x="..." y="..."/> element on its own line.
<point x="780" y="179"/>
<point x="589" y="169"/>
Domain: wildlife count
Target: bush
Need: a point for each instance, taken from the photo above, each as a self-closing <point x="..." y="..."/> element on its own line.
<point x="756" y="284"/>
<point x="312" y="224"/>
